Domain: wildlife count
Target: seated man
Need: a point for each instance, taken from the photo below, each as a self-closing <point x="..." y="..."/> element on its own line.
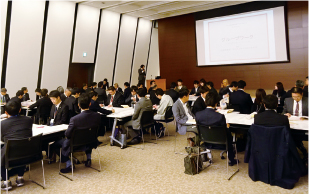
<point x="165" y="101"/>
<point x="209" y="117"/>
<point x="86" y="119"/>
<point x="195" y="89"/>
<point x="297" y="105"/>
<point x="67" y="93"/>
<point x="15" y="127"/>
<point x="182" y="113"/>
<point x="4" y="96"/>
<point x="172" y="92"/>
<point x="241" y="99"/>
<point x="127" y="90"/>
<point x="72" y="102"/>
<point x="101" y="93"/>
<point x="143" y="104"/>
<point x="224" y="88"/>
<point x="180" y="85"/>
<point x="43" y="108"/>
<point x="114" y="98"/>
<point x="288" y="94"/>
<point x="91" y="88"/>
<point x="153" y="97"/>
<point x="132" y="99"/>
<point x="18" y="97"/>
<point x="118" y="89"/>
<point x="95" y="107"/>
<point x="26" y="95"/>
<point x="141" y="85"/>
<point x="84" y="88"/>
<point x="38" y="94"/>
<point x="199" y="103"/>
<point x="210" y="85"/>
<point x="59" y="113"/>
<point x="152" y="84"/>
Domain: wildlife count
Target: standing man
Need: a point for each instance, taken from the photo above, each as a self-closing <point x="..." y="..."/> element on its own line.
<point x="142" y="74"/>
<point x="4" y="96"/>
<point x="241" y="99"/>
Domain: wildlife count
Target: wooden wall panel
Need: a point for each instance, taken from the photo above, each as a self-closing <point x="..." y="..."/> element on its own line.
<point x="177" y="51"/>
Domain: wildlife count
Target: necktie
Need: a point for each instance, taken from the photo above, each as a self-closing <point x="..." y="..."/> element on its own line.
<point x="297" y="109"/>
<point x="112" y="98"/>
<point x="55" y="112"/>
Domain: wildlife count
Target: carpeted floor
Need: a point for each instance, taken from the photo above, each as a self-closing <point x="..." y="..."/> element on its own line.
<point x="156" y="169"/>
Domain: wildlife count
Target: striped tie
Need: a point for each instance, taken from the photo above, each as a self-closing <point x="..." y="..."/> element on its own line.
<point x="297" y="109"/>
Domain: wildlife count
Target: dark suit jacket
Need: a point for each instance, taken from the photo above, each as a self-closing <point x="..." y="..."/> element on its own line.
<point x="43" y="107"/>
<point x="86" y="119"/>
<point x="6" y="98"/>
<point x="272" y="156"/>
<point x="25" y="97"/>
<point x="118" y="100"/>
<point x="288" y="94"/>
<point x="199" y="105"/>
<point x="193" y="92"/>
<point x="62" y="116"/>
<point x="129" y="101"/>
<point x="119" y="89"/>
<point x="289" y="103"/>
<point x="173" y="94"/>
<point x="305" y="91"/>
<point x="15" y="98"/>
<point x="224" y="91"/>
<point x="88" y="90"/>
<point x="105" y="86"/>
<point x="95" y="107"/>
<point x="153" y="97"/>
<point x="243" y="100"/>
<point x="15" y="127"/>
<point x="102" y="97"/>
<point x="257" y="108"/>
<point x="271" y="118"/>
<point x="72" y="103"/>
<point x="209" y="117"/>
<point x="63" y="97"/>
<point x="126" y="93"/>
<point x="141" y="74"/>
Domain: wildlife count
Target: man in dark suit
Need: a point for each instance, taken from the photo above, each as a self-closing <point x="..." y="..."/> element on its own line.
<point x="101" y="93"/>
<point x="91" y="88"/>
<point x="141" y="85"/>
<point x="26" y="95"/>
<point x="15" y="127"/>
<point x="59" y="113"/>
<point x="141" y="74"/>
<point x="297" y="105"/>
<point x="172" y="92"/>
<point x="154" y="99"/>
<point x="38" y="94"/>
<point x="127" y="90"/>
<point x="4" y="96"/>
<point x="132" y="98"/>
<point x="210" y="85"/>
<point x="209" y="117"/>
<point x="86" y="119"/>
<point x="84" y="88"/>
<point x="43" y="107"/>
<point x="66" y="94"/>
<point x="195" y="89"/>
<point x="241" y="99"/>
<point x="114" y="99"/>
<point x="118" y="89"/>
<point x="152" y="84"/>
<point x="199" y="103"/>
<point x="95" y="107"/>
<point x="18" y="97"/>
<point x="270" y="117"/>
<point x="224" y="88"/>
<point x="72" y="103"/>
<point x="305" y="90"/>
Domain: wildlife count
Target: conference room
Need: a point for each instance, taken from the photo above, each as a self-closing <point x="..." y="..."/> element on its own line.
<point x="98" y="54"/>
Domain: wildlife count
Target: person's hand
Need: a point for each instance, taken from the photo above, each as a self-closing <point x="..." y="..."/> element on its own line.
<point x="113" y="110"/>
<point x="134" y="99"/>
<point x="221" y="85"/>
<point x="28" y="106"/>
<point x="227" y="125"/>
<point x="288" y="115"/>
<point x="110" y="106"/>
<point x="101" y="105"/>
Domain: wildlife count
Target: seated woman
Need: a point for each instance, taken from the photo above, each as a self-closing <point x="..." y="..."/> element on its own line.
<point x="279" y="91"/>
<point x="258" y="105"/>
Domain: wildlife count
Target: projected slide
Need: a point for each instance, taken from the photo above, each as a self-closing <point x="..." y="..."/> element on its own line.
<point x="243" y="38"/>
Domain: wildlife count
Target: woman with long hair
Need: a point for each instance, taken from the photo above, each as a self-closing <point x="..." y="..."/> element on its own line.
<point x="258" y="105"/>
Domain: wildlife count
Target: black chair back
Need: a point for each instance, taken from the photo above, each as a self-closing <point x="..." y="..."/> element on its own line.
<point x="213" y="134"/>
<point x="147" y="118"/>
<point x="84" y="137"/>
<point x="236" y="107"/>
<point x="169" y="113"/>
<point x="20" y="152"/>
